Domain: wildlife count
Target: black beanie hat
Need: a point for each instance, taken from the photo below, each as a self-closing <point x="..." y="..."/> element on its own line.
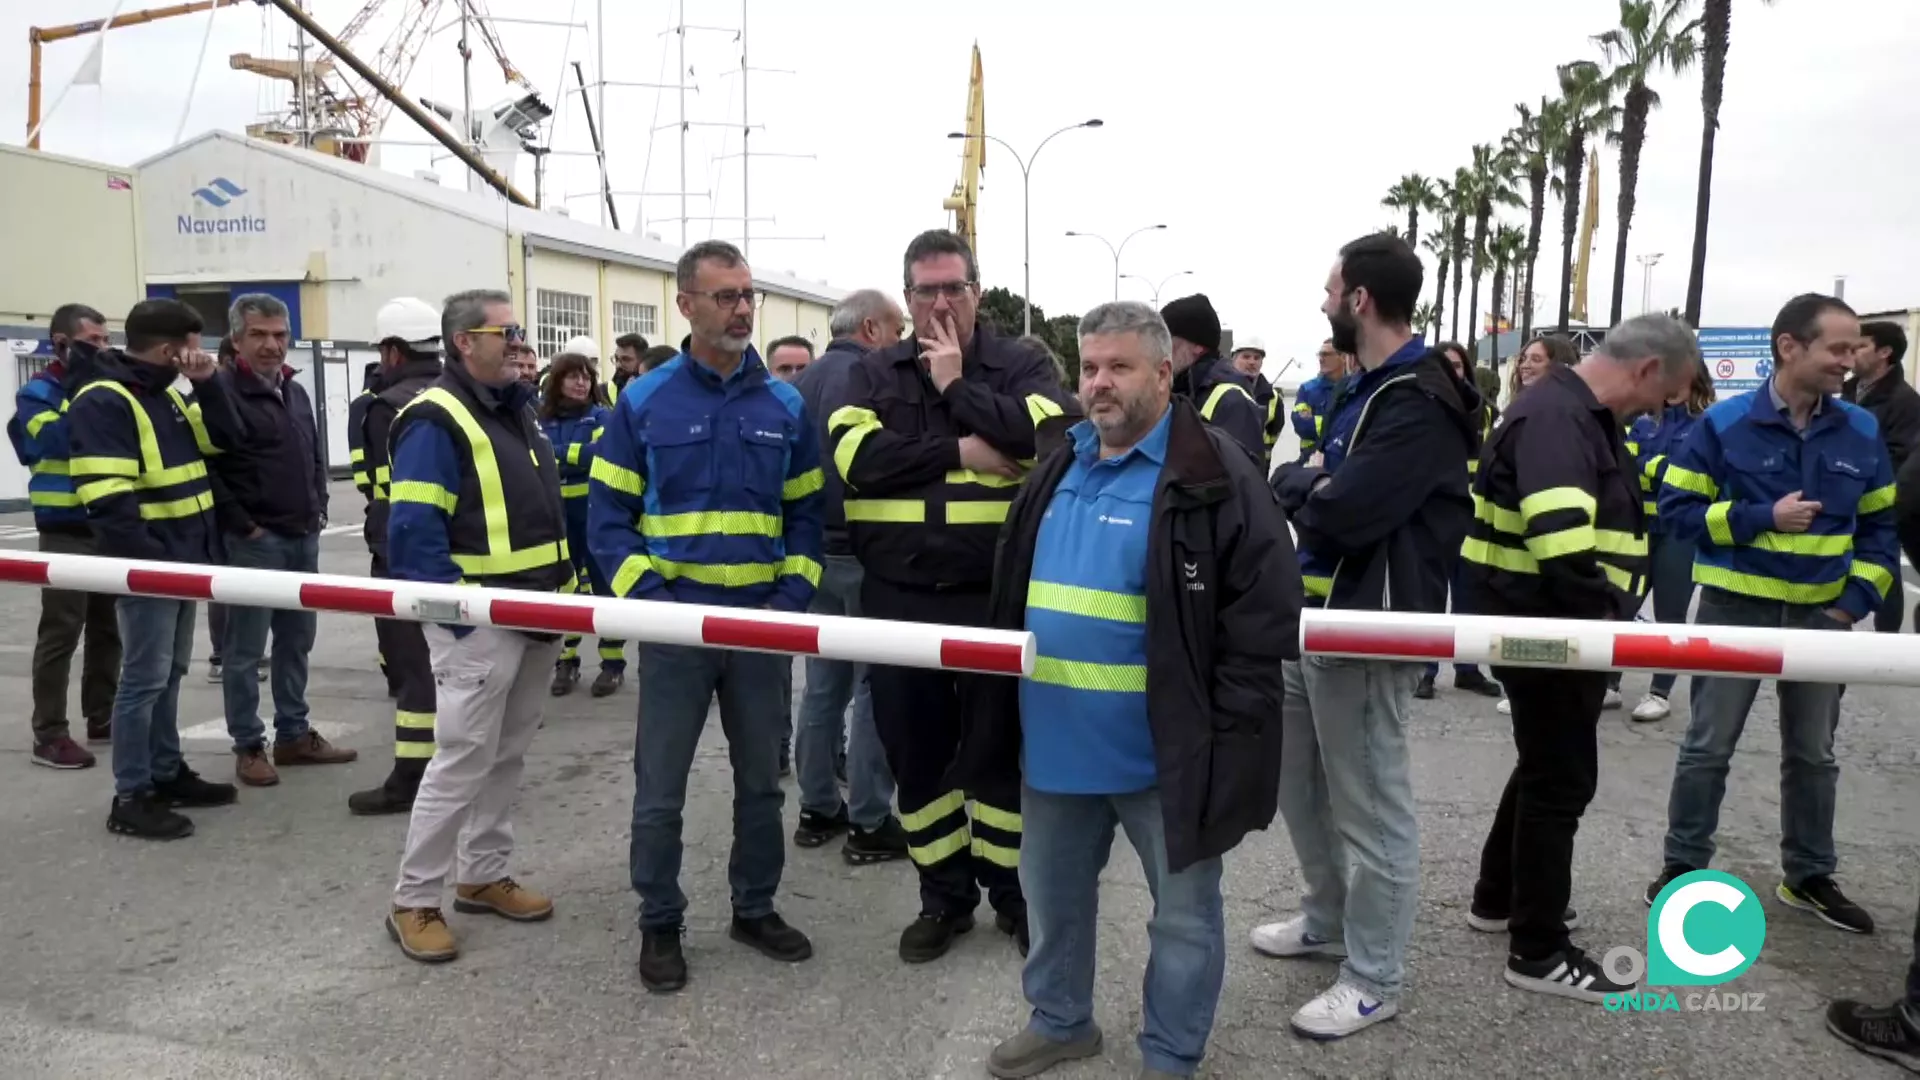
<point x="1192" y="318"/>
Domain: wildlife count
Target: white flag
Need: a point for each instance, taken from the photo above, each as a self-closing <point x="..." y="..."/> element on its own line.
<point x="89" y="73"/>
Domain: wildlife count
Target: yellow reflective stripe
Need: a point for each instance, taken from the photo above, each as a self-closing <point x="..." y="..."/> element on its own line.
<point x="412" y="751"/>
<point x="944" y="848"/>
<point x="894" y="511"/>
<point x="424" y="491"/>
<point x="992" y="480"/>
<point x="1219" y="392"/>
<point x="413" y="721"/>
<point x="610" y="651"/>
<point x="632" y="568"/>
<point x="1719" y="528"/>
<point x="104" y="466"/>
<point x="705" y="522"/>
<point x="977" y="513"/>
<point x="803" y="485"/>
<point x="802" y="566"/>
<point x="1560" y="498"/>
<point x="1621" y="579"/>
<point x="724" y="575"/>
<point x="995" y="854"/>
<point x="1040" y="406"/>
<point x="1303" y="409"/>
<point x="177" y="508"/>
<point x="929" y="815"/>
<point x="1321" y="587"/>
<point x="42" y="419"/>
<point x="1615" y="542"/>
<point x="199" y="427"/>
<point x="1087" y="675"/>
<point x="1803" y="543"/>
<point x="573" y="453"/>
<point x="1564" y="542"/>
<point x="1688" y="480"/>
<point x="1090" y="603"/>
<point x="1506" y="521"/>
<point x="100" y="489"/>
<point x="1498" y="556"/>
<point x="1877" y="576"/>
<point x="486" y="470"/>
<point x="53" y="498"/>
<point x="51" y="467"/>
<point x="361" y="479"/>
<point x="355" y="457"/>
<point x="382" y="475"/>
<point x="1876" y="500"/>
<point x="862" y="422"/>
<point x="380" y="494"/>
<point x="574" y="491"/>
<point x="618" y="478"/>
<point x="1767" y="588"/>
<point x="512" y="562"/>
<point x="1005" y="821"/>
<point x="179" y="474"/>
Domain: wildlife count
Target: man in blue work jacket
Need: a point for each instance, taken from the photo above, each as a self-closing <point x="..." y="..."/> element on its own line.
<point x="1313" y="402"/>
<point x="707" y="490"/>
<point x="1788" y="492"/>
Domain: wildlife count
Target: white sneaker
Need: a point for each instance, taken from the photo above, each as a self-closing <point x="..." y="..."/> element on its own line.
<point x="1613" y="700"/>
<point x="1341" y="1011"/>
<point x="1652" y="707"/>
<point x="1290" y="939"/>
<point x="1505" y="708"/>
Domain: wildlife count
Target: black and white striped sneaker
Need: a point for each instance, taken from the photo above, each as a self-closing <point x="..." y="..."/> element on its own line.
<point x="1568" y="974"/>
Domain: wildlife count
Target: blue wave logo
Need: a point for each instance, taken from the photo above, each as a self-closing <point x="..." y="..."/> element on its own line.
<point x="219" y="192"/>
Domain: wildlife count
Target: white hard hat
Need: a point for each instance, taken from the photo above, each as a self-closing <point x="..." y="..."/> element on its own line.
<point x="1252" y="344"/>
<point x="584" y="346"/>
<point x="409" y="320"/>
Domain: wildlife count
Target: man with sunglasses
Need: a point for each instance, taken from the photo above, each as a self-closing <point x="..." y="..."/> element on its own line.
<point x="932" y="438"/>
<point x="706" y="489"/>
<point x="475" y="500"/>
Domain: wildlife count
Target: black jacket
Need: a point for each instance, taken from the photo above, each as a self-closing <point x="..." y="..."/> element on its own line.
<point x="385" y="397"/>
<point x="1223" y="612"/>
<point x="823" y="382"/>
<point x="272" y="465"/>
<point x="1389" y="521"/>
<point x="1207" y="385"/>
<point x="1896" y="404"/>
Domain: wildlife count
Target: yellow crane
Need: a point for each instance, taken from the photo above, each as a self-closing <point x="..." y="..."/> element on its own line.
<point x="1578" y="310"/>
<point x="38" y="36"/>
<point x="965" y="200"/>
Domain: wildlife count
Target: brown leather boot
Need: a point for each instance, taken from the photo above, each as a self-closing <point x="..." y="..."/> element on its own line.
<point x="311" y="749"/>
<point x="506" y="898"/>
<point x="252" y="768"/>
<point x="422" y="934"/>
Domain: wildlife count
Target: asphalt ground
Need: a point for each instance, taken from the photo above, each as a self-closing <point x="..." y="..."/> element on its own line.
<point x="256" y="948"/>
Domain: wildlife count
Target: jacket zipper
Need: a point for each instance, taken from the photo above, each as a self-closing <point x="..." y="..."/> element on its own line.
<point x="1386" y="588"/>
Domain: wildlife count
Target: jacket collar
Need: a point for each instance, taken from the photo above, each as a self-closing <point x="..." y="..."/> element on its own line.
<point x="1764" y="410"/>
<point x="509" y="399"/>
<point x="1881" y="388"/>
<point x="1193" y="467"/>
<point x="751" y="369"/>
<point x="426" y="368"/>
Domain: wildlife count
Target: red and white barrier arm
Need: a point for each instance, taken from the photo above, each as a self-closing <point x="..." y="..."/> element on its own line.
<point x="926" y="645"/>
<point x="1821" y="656"/>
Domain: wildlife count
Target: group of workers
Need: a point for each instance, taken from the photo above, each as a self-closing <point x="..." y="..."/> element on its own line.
<point x="1138" y="529"/>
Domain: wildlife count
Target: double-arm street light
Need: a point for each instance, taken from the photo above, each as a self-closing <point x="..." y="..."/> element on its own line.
<point x="1156" y="287"/>
<point x="1026" y="210"/>
<point x="1117" y="250"/>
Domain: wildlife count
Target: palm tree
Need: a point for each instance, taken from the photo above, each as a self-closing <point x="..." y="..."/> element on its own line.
<point x="1535" y="141"/>
<point x="1424" y="318"/>
<point x="1491" y="182"/>
<point x="1413" y="194"/>
<point x="1508" y="249"/>
<point x="1653" y="35"/>
<point x="1717" y="23"/>
<point x="1588" y="112"/>
<point x="1440" y="246"/>
<point x="1457" y="211"/>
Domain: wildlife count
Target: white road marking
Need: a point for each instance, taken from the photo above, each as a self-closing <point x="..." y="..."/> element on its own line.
<point x="216" y="730"/>
<point x="340" y="530"/>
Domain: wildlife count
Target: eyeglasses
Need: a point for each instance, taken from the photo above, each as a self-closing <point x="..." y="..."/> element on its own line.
<point x="952" y="290"/>
<point x="512" y="333"/>
<point x="728" y="299"/>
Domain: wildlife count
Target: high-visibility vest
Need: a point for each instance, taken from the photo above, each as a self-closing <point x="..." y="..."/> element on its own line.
<point x="167" y="480"/>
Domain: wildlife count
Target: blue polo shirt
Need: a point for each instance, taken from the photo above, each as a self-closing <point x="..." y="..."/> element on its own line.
<point x="1084" y="711"/>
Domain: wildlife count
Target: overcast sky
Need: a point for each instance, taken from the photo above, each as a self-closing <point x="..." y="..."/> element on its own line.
<point x="1262" y="135"/>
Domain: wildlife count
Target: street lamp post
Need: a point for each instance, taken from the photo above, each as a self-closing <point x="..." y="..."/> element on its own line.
<point x="1117" y="250"/>
<point x="1157" y="287"/>
<point x="1026" y="210"/>
<point x="1647" y="263"/>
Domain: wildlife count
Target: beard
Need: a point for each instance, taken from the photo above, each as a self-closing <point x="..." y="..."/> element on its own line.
<point x="1134" y="416"/>
<point x="1346" y="333"/>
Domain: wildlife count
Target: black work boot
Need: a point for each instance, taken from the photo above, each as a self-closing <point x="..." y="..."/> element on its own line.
<point x="770" y="935"/>
<point x="1015" y="927"/>
<point x="816" y="829"/>
<point x="147" y="816"/>
<point x="663" y="967"/>
<point x="931" y="935"/>
<point x="566" y="674"/>
<point x="885" y="842"/>
<point x="188" y="789"/>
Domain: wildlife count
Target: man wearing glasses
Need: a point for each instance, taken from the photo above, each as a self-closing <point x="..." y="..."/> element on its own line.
<point x="1313" y="402"/>
<point x="932" y="438"/>
<point x="706" y="489"/>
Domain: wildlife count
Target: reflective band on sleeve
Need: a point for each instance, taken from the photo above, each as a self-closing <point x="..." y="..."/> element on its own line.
<point x="861" y="422"/>
<point x="1876" y="576"/>
<point x="1502" y="519"/>
<point x="1500" y="557"/>
<point x="1040" y="406"/>
<point x="1320" y="587"/>
<point x="632" y="568"/>
<point x="1560" y="498"/>
<point x="101" y="489"/>
<point x="803" y="485"/>
<point x="1087" y="675"/>
<point x="1719" y="528"/>
<point x="1553" y="545"/>
<point x="706" y="522"/>
<point x="40" y="420"/>
<point x="977" y="513"/>
<point x="51" y="467"/>
<point x="574" y="491"/>
<point x="53" y="499"/>
<point x="992" y="480"/>
<point x="618" y="478"/>
<point x="892" y="511"/>
<point x="356" y="456"/>
<point x="1089" y="603"/>
<point x="1876" y="500"/>
<point x="1688" y="480"/>
<point x="1615" y="542"/>
<point x="801" y="566"/>
<point x="423" y="491"/>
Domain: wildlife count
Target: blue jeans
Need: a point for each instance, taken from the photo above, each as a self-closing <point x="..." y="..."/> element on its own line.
<point x="1062" y="852"/>
<point x="823" y="723"/>
<point x="1809" y="775"/>
<point x="1346" y="793"/>
<point x="677" y="685"/>
<point x="246" y="641"/>
<point x="1671" y="576"/>
<point x="1469" y="672"/>
<point x="156" y="641"/>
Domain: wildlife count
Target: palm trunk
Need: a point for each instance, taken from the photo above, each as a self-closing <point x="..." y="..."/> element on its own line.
<point x="1573" y="170"/>
<point x="1459" y="279"/>
<point x="1632" y="137"/>
<point x="1480" y="218"/>
<point x="1499" y="288"/>
<point x="1537" y="186"/>
<point x="1413" y="225"/>
<point x="1717" y="20"/>
<point x="1440" y="301"/>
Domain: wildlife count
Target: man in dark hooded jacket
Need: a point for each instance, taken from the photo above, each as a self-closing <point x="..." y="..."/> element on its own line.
<point x="1202" y="376"/>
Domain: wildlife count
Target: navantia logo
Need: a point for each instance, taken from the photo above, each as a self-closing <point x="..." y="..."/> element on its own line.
<point x="1703" y="929"/>
<point x="219" y="192"/>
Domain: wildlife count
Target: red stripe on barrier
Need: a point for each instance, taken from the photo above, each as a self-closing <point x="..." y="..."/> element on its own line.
<point x="171" y="583"/>
<point x="23" y="571"/>
<point x="347" y="598"/>
<point x="980" y="656"/>
<point x="1432" y="643"/>
<point x="533" y="615"/>
<point x="1663" y="653"/>
<point x="753" y="634"/>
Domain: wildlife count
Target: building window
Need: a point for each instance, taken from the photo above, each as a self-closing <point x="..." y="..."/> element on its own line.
<point x="629" y="318"/>
<point x="559" y="316"/>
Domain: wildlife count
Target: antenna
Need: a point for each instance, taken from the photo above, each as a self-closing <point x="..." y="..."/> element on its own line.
<point x="746" y="155"/>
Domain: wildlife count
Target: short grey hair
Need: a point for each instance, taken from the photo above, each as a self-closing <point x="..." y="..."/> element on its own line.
<point x="1662" y="336"/>
<point x="1130" y="317"/>
<point x="467" y="311"/>
<point x="253" y="303"/>
<point x="858" y="307"/>
<point x="687" y="270"/>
